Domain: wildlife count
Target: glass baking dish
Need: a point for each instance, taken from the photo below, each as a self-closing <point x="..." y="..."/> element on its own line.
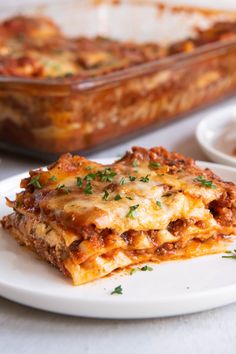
<point x="51" y="117"/>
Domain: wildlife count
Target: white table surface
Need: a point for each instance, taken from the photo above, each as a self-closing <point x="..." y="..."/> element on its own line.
<point x="25" y="330"/>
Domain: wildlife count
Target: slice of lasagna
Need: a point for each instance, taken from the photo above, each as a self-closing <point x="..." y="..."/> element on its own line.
<point x="88" y="219"/>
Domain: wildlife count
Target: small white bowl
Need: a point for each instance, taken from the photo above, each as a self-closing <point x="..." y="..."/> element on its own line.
<point x="216" y="134"/>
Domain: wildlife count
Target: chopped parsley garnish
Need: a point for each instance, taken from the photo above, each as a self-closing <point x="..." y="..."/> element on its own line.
<point x="230" y="254"/>
<point x="204" y="182"/>
<point x="62" y="187"/>
<point x="118" y="290"/>
<point x="88" y="189"/>
<point x="79" y="182"/>
<point x="158" y="203"/>
<point x="144" y="179"/>
<point x="132" y="211"/>
<point x="154" y="165"/>
<point x="146" y="268"/>
<point x="117" y="197"/>
<point x="132" y="178"/>
<point x="90" y="177"/>
<point x="106" y="175"/>
<point x="135" y="163"/>
<point x="122" y="181"/>
<point x="130" y="198"/>
<point x="133" y="270"/>
<point x="53" y="178"/>
<point x="88" y="168"/>
<point x="105" y="195"/>
<point x="35" y="182"/>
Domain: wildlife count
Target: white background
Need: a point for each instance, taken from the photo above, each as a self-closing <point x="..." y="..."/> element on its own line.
<point x="25" y="330"/>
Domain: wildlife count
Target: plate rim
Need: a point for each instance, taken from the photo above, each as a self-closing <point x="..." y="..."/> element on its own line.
<point x="204" y="143"/>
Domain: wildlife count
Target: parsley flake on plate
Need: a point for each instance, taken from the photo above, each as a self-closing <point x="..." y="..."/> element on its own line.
<point x="230" y="254"/>
<point x="146" y="268"/>
<point x="142" y="269"/>
<point x="118" y="290"/>
<point x="134" y="270"/>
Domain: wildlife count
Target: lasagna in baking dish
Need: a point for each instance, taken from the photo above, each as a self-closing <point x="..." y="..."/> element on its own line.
<point x="36" y="47"/>
<point x="89" y="219"/>
<point x="61" y="93"/>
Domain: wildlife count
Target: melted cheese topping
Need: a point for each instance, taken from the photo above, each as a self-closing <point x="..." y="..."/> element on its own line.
<point x="162" y="199"/>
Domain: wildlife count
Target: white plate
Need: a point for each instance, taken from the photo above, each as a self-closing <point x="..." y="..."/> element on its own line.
<point x="216" y="134"/>
<point x="172" y="288"/>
